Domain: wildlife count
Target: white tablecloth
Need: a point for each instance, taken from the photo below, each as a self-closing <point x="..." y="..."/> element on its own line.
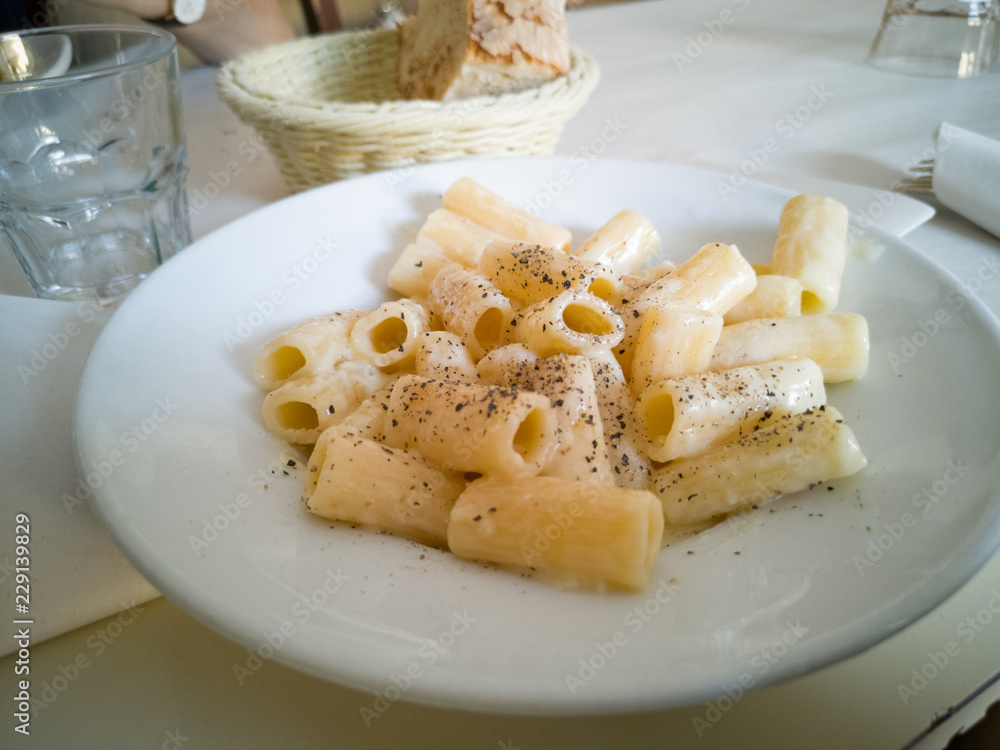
<point x="772" y="90"/>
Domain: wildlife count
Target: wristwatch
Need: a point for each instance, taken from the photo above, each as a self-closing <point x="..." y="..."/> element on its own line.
<point x="182" y="13"/>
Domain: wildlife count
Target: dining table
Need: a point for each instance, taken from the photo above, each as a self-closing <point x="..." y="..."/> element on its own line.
<point x="773" y="91"/>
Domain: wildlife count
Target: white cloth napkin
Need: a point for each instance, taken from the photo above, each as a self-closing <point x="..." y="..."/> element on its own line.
<point x="76" y="573"/>
<point x="967" y="175"/>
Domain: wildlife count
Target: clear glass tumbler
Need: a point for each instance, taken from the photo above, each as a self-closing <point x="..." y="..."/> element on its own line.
<point x="938" y="38"/>
<point x="92" y="157"/>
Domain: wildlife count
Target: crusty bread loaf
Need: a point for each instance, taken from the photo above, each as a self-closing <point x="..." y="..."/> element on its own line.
<point x="459" y="48"/>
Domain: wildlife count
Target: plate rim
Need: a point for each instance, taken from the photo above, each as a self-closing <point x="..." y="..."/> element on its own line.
<point x="144" y="557"/>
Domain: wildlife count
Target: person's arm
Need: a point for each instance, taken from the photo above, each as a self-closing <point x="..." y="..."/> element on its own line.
<point x="228" y="29"/>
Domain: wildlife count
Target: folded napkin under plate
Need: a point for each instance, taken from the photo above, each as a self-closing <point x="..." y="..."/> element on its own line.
<point x="76" y="573"/>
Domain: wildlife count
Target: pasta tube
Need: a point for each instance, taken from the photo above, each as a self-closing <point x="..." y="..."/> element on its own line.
<point x="461" y="239"/>
<point x="632" y="285"/>
<point x="530" y="273"/>
<point x="356" y="480"/>
<point x="441" y="355"/>
<point x="570" y="323"/>
<point x="673" y="340"/>
<point x="472" y="200"/>
<point x="792" y="454"/>
<point x="368" y="419"/>
<point x="621" y="433"/>
<point x="653" y="273"/>
<point x="445" y="237"/>
<point x="415" y="268"/>
<point x="471" y="427"/>
<point x="299" y="410"/>
<point x="713" y="280"/>
<point x="773" y="297"/>
<point x="470" y="306"/>
<point x="838" y="342"/>
<point x="812" y="247"/>
<point x="308" y="349"/>
<point x="568" y="382"/>
<point x="387" y="336"/>
<point x="578" y="534"/>
<point x="688" y="415"/>
<point x="494" y="368"/>
<point x="625" y="243"/>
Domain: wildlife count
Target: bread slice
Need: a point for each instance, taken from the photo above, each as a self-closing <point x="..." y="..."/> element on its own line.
<point x="454" y="49"/>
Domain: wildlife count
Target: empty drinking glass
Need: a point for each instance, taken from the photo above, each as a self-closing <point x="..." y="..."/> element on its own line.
<point x="92" y="157"/>
<point x="938" y="38"/>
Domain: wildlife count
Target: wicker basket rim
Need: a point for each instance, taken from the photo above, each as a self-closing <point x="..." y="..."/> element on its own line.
<point x="235" y="85"/>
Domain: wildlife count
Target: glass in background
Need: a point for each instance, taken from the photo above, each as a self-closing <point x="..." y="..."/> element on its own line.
<point x="92" y="158"/>
<point x="938" y="38"/>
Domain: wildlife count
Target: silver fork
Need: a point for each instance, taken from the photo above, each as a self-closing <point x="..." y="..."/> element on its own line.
<point x="920" y="180"/>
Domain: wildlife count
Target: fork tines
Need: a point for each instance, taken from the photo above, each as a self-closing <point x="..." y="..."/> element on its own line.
<point x="920" y="180"/>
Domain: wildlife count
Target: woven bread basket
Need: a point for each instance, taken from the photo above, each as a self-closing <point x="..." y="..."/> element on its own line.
<point x="328" y="108"/>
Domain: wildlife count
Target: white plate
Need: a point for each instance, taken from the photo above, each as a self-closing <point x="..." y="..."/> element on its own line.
<point x="170" y="433"/>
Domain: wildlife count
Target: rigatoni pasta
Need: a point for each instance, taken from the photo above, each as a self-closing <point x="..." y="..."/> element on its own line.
<point x="531" y="273"/>
<point x="688" y="415"/>
<point x="790" y="455"/>
<point x="576" y="533"/>
<point x="309" y="349"/>
<point x="490" y="211"/>
<point x="571" y="322"/>
<point x="387" y="336"/>
<point x="713" y="280"/>
<point x="673" y="340"/>
<point x="553" y="412"/>
<point x="623" y="244"/>
<point x="470" y="306"/>
<point x="442" y="355"/>
<point x="356" y="480"/>
<point x="812" y="247"/>
<point x="838" y="342"/>
<point x="300" y="409"/>
<point x="773" y="297"/>
<point x="471" y="427"/>
<point x="568" y="382"/>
